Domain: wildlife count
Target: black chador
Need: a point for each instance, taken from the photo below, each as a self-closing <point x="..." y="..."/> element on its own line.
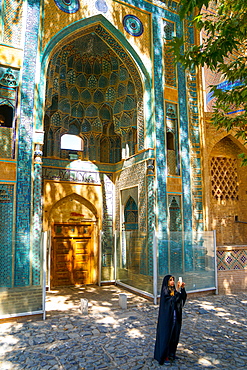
<point x="169" y="320"/>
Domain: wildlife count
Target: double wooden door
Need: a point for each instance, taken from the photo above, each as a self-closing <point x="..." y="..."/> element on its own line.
<point x="72" y="254"/>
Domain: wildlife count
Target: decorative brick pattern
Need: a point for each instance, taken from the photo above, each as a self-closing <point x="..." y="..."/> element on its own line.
<point x="12" y="22"/>
<point x="170" y="67"/>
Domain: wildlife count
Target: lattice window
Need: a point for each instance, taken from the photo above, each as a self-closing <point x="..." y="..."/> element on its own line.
<point x="224" y="178"/>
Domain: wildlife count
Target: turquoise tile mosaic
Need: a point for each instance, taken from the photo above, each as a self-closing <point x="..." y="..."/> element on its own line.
<point x="107" y="223"/>
<point x="37" y="224"/>
<point x="25" y="154"/>
<point x="6" y="230"/>
<point x="231" y="260"/>
<point x="150" y="127"/>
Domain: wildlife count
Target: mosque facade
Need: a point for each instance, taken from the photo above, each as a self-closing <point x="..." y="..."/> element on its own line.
<point x="110" y="170"/>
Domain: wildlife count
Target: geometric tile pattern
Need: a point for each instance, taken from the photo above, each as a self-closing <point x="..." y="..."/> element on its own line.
<point x="6" y="229"/>
<point x="194" y="133"/>
<point x="108" y="39"/>
<point x="24" y="165"/>
<point x="37" y="224"/>
<point x="130" y="177"/>
<point x="232" y="260"/>
<point x="96" y="100"/>
<point x="107" y="221"/>
<point x="151" y="226"/>
<point x="161" y="154"/>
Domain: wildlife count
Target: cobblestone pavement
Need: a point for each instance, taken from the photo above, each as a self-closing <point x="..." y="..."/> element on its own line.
<point x="213" y="336"/>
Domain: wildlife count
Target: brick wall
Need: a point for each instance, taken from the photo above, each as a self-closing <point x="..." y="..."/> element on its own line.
<point x="20" y="300"/>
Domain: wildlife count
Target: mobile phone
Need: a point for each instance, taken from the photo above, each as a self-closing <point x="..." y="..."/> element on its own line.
<point x="180" y="279"/>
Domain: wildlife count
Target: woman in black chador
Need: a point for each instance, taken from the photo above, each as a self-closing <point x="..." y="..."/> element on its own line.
<point x="169" y="319"/>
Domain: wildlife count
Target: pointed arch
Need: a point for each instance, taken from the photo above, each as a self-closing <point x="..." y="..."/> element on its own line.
<point x="131" y="214"/>
<point x="114" y="39"/>
<point x="72" y="197"/>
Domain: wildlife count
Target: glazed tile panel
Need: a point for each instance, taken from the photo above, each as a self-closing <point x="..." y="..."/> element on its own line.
<point x="23" y="199"/>
<point x="6" y="226"/>
<point x="232" y="260"/>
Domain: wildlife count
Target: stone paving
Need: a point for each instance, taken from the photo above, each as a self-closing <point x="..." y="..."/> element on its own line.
<point x="213" y="336"/>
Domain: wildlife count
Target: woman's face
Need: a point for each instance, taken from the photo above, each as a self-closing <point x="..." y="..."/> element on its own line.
<point x="171" y="281"/>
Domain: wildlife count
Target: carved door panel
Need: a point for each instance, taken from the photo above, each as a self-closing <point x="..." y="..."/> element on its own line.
<point x="72" y="257"/>
<point x="82" y="261"/>
<point x="62" y="263"/>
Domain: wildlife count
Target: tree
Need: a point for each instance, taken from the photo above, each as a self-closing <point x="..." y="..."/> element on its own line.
<point x="223" y="50"/>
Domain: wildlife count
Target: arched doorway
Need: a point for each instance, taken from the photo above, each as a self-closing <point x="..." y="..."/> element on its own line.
<point x="74" y="252"/>
<point x="227" y="192"/>
<point x="93" y="91"/>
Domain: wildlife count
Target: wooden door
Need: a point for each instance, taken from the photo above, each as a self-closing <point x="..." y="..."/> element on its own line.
<point x="72" y="255"/>
<point x="63" y="263"/>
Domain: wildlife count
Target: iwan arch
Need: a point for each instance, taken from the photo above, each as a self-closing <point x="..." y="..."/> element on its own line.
<point x="95" y="91"/>
<point x="107" y="161"/>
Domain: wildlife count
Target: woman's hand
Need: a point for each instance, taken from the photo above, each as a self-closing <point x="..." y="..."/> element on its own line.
<point x="180" y="285"/>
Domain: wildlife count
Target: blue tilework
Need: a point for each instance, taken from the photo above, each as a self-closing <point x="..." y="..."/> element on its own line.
<point x="68" y="7"/>
<point x="6" y="229"/>
<point x="107" y="222"/>
<point x="195" y="141"/>
<point x="157" y="14"/>
<point x="151" y="227"/>
<point x="24" y="170"/>
<point x="37" y="224"/>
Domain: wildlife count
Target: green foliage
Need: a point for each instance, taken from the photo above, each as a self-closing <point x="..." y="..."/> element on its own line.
<point x="224" y="51"/>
